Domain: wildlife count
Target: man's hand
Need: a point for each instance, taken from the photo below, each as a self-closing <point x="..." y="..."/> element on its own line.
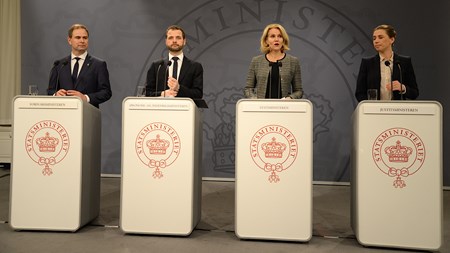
<point x="173" y="84"/>
<point x="61" y="92"/>
<point x="76" y="94"/>
<point x="169" y="93"/>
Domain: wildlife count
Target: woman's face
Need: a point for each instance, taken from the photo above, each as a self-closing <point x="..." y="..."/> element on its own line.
<point x="381" y="41"/>
<point x="274" y="40"/>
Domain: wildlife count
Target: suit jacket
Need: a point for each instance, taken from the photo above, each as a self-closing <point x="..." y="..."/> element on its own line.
<point x="369" y="77"/>
<point x="258" y="73"/>
<point x="190" y="79"/>
<point x="93" y="79"/>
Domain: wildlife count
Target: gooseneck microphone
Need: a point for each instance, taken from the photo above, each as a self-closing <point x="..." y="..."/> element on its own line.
<point x="270" y="79"/>
<point x="58" y="70"/>
<point x="279" y="78"/>
<point x="388" y="64"/>
<point x="271" y="64"/>
<point x="157" y="75"/>
<point x="397" y="62"/>
<point x="166" y="73"/>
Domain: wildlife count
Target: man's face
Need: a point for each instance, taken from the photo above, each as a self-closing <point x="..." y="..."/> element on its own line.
<point x="79" y="41"/>
<point x="175" y="41"/>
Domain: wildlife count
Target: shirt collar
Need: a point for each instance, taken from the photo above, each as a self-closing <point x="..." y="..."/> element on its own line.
<point x="180" y="56"/>
<point x="83" y="56"/>
<point x="391" y="59"/>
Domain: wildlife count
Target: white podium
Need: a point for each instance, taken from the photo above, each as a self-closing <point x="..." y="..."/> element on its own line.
<point x="397" y="174"/>
<point x="274" y="162"/>
<point x="55" y="174"/>
<point x="161" y="159"/>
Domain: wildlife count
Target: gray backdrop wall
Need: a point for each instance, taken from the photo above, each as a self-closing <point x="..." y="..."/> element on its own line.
<point x="330" y="37"/>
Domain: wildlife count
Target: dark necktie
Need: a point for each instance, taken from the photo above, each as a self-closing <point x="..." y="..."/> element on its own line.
<point x="175" y="67"/>
<point x="75" y="70"/>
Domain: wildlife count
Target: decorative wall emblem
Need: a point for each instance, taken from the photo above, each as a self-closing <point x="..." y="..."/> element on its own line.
<point x="273" y="149"/>
<point x="398" y="153"/>
<point x="47" y="143"/>
<point x="158" y="146"/>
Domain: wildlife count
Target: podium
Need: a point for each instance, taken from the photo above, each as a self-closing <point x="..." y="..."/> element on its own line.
<point x="55" y="174"/>
<point x="161" y="161"/>
<point x="274" y="162"/>
<point x="397" y="174"/>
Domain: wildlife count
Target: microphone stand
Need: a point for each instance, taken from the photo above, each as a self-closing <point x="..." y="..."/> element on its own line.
<point x="401" y="81"/>
<point x="279" y="78"/>
<point x="57" y="74"/>
<point x="270" y="79"/>
<point x="156" y="81"/>
<point x="388" y="64"/>
<point x="166" y="73"/>
<point x="50" y="76"/>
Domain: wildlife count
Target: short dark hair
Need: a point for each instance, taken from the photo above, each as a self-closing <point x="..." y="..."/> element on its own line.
<point x="77" y="26"/>
<point x="175" y="27"/>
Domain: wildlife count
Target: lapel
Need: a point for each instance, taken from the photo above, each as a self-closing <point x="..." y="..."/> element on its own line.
<point x="65" y="76"/>
<point x="84" y="68"/>
<point x="395" y="69"/>
<point x="377" y="73"/>
<point x="184" y="68"/>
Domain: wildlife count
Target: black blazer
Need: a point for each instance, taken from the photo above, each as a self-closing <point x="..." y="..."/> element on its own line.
<point x="93" y="79"/>
<point x="369" y="77"/>
<point x="190" y="79"/>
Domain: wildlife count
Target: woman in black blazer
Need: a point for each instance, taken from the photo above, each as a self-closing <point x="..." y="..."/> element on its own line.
<point x="377" y="72"/>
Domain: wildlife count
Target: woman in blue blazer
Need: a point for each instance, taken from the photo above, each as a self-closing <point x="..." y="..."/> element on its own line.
<point x="391" y="74"/>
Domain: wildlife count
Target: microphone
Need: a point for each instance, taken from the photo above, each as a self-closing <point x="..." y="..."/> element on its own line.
<point x="397" y="62"/>
<point x="279" y="64"/>
<point x="157" y="75"/>
<point x="270" y="78"/>
<point x="58" y="71"/>
<point x="388" y="64"/>
<point x="166" y="73"/>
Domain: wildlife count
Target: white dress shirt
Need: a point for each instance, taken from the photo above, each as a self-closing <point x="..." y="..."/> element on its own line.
<point x="386" y="73"/>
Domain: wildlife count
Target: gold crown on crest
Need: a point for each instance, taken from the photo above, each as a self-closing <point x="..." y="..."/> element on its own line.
<point x="398" y="153"/>
<point x="158" y="146"/>
<point x="47" y="143"/>
<point x="273" y="149"/>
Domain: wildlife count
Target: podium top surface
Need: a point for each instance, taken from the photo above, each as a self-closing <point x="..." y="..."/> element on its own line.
<point x="399" y="107"/>
<point x="274" y="105"/>
<point x="164" y="102"/>
<point x="47" y="102"/>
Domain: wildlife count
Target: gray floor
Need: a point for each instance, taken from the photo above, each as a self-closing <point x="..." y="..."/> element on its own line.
<point x="215" y="233"/>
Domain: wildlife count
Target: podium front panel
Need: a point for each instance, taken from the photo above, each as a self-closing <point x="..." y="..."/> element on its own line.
<point x="397" y="174"/>
<point x="46" y="175"/>
<point x="160" y="183"/>
<point x="274" y="169"/>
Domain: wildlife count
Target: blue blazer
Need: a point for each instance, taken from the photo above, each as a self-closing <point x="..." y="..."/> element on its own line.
<point x="369" y="77"/>
<point x="93" y="79"/>
<point x="190" y="79"/>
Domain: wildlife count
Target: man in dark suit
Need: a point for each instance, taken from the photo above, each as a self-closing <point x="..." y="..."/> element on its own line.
<point x="377" y="72"/>
<point x="176" y="76"/>
<point x="80" y="74"/>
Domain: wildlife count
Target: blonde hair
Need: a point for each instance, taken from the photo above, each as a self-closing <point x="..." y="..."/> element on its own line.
<point x="265" y="47"/>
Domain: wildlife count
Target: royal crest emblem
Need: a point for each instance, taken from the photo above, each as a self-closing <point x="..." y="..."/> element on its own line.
<point x="398" y="153"/>
<point x="274" y="149"/>
<point x="158" y="146"/>
<point x="47" y="143"/>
